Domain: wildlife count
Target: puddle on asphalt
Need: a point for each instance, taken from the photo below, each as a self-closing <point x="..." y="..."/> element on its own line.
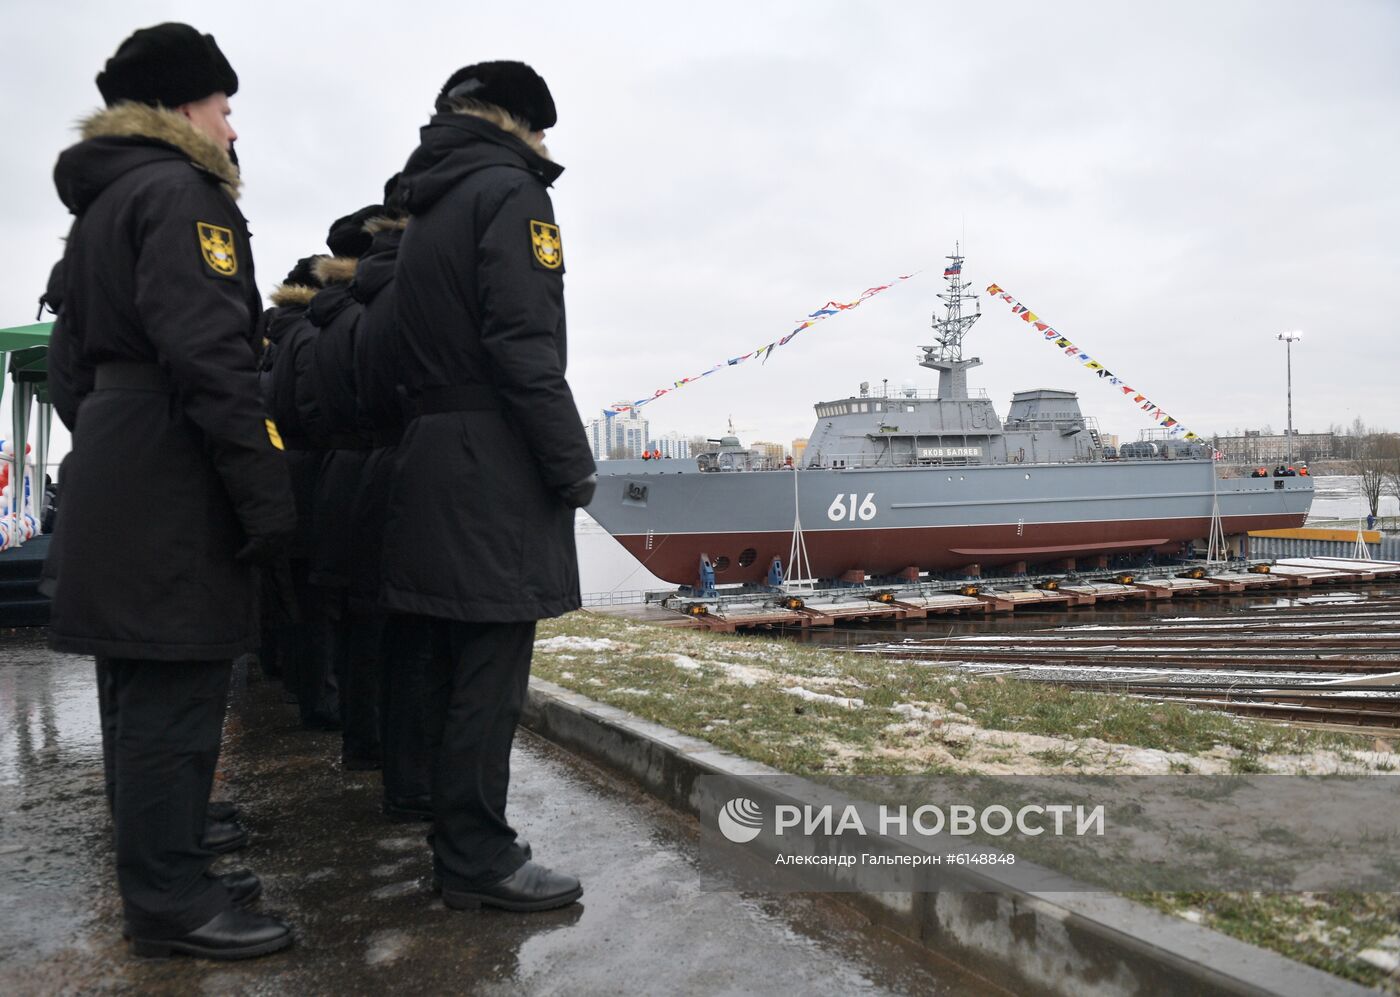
<point x="649" y="921"/>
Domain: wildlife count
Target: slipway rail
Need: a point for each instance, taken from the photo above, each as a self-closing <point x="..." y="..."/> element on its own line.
<point x="1323" y="661"/>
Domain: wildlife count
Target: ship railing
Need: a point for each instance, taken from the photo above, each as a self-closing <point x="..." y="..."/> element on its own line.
<point x="864" y="461"/>
<point x="1060" y="425"/>
<point x="895" y="394"/>
<point x="1228" y="468"/>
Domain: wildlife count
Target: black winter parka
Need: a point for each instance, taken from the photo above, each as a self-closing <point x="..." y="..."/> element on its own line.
<point x="168" y="481"/>
<point x="338" y="318"/>
<point x="286" y="334"/>
<point x="381" y="406"/>
<point x="477" y="529"/>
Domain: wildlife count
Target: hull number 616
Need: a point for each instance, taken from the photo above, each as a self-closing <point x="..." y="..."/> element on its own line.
<point x="839" y="510"/>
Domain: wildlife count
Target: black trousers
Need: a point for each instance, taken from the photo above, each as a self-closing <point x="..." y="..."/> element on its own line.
<point x="309" y="672"/>
<point x="162" y="722"/>
<point x="476" y="683"/>
<point x="357" y="646"/>
<point x="407" y="751"/>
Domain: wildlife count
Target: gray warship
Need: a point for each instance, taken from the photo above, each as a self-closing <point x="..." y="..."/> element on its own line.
<point x="895" y="484"/>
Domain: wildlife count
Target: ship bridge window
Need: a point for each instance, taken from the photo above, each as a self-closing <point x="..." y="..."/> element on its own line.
<point x="908" y="407"/>
<point x="877" y="406"/>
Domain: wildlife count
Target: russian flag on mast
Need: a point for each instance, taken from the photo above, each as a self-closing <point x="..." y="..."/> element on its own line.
<point x="953" y="269"/>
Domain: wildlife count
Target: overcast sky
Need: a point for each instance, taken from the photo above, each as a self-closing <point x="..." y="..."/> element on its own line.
<point x="1170" y="186"/>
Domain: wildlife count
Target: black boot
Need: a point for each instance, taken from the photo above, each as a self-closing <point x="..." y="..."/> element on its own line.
<point x="243" y="886"/>
<point x="223" y="836"/>
<point x="530" y="888"/>
<point x="232" y="934"/>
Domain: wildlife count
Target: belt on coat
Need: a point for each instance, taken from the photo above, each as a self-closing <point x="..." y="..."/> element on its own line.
<point x="132" y="376"/>
<point x="457" y="398"/>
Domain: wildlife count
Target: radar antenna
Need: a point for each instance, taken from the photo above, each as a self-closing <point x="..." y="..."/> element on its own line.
<point x="947" y="357"/>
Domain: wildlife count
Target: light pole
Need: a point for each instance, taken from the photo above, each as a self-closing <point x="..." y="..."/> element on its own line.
<point x="1289" y="338"/>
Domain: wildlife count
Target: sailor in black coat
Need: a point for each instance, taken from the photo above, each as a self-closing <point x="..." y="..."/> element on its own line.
<point x="174" y="488"/>
<point x="480" y="531"/>
<point x="403" y="641"/>
<point x="297" y="641"/>
<point x="339" y="316"/>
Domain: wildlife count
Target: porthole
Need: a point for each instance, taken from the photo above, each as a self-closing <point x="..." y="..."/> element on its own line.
<point x="747" y="556"/>
<point x="1028" y="477"/>
<point x="721" y="563"/>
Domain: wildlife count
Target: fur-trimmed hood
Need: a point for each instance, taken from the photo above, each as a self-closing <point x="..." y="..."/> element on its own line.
<point x="456" y="145"/>
<point x="118" y="139"/>
<point x="335" y="269"/>
<point x="290" y="295"/>
<point x="509" y="124"/>
<point x="384" y="223"/>
<point x="335" y="273"/>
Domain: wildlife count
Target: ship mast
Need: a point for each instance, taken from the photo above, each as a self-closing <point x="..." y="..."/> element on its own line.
<point x="947" y="357"/>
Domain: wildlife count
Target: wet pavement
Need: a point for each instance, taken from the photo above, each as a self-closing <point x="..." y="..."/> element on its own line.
<point x="354" y="885"/>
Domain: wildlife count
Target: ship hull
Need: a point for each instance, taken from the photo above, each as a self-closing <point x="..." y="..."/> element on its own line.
<point x="668" y="515"/>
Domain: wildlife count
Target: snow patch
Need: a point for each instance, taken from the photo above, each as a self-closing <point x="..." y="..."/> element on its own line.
<point x="821" y="697"/>
<point x="553" y="645"/>
<point x="387" y="946"/>
<point x="743" y="674"/>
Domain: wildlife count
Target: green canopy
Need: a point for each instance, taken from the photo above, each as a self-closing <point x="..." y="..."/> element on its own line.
<point x="20" y="336"/>
<point x="26" y="347"/>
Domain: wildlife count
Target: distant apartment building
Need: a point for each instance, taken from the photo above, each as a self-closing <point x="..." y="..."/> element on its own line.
<point x="1256" y="448"/>
<point x="672" y="445"/>
<point x="625" y="433"/>
<point x="773" y="454"/>
<point x="799" y="447"/>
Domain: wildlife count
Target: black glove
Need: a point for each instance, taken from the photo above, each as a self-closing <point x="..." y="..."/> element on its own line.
<point x="580" y="493"/>
<point x="262" y="550"/>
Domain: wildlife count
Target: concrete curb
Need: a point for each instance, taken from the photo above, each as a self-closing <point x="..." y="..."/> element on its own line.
<point x="1047" y="943"/>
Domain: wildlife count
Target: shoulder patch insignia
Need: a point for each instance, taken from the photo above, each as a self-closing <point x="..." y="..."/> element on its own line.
<point x="548" y="247"/>
<point x="216" y="244"/>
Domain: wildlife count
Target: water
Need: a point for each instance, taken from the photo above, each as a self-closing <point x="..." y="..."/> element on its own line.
<point x="1338" y="496"/>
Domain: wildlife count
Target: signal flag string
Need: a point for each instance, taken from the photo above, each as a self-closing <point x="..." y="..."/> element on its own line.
<point x="1154" y="412"/>
<point x="820" y="315"/>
